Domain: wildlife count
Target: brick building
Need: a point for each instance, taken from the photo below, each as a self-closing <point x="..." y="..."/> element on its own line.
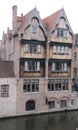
<point x="7" y="89"/>
<point x="42" y="52"/>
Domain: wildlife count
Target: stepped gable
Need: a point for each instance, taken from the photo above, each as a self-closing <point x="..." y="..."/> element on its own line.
<point x="6" y="69"/>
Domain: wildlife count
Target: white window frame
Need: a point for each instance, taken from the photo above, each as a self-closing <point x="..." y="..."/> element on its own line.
<point x="65" y="67"/>
<point x="54" y="49"/>
<point x="53" y="67"/>
<point x="38" y="48"/>
<point x="26" y="66"/>
<point x="66" y="50"/>
<point x="26" y="48"/>
<point x="58" y="49"/>
<point x="38" y="66"/>
<point x="62" y="50"/>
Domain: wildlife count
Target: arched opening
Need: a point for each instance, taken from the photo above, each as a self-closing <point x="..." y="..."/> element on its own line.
<point x="63" y="103"/>
<point x="30" y="105"/>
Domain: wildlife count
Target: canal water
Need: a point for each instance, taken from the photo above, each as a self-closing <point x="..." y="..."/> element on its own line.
<point x="52" y="121"/>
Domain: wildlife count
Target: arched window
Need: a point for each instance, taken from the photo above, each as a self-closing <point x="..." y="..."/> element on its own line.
<point x="63" y="103"/>
<point x="30" y="105"/>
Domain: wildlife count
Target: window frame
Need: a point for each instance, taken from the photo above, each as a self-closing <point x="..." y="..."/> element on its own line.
<point x="5" y="90"/>
<point x="62" y="32"/>
<point x="33" y="85"/>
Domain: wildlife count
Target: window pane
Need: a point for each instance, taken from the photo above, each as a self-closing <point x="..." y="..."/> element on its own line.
<point x="53" y="67"/>
<point x="51" y="104"/>
<point x="26" y="66"/>
<point x="54" y="49"/>
<point x="38" y="66"/>
<point x="26" y="46"/>
<point x="38" y="48"/>
<point x="34" y="29"/>
<point x="4" y="90"/>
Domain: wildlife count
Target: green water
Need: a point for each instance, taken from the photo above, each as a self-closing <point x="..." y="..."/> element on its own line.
<point x="53" y="121"/>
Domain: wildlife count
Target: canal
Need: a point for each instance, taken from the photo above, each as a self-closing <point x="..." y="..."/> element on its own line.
<point x="52" y="121"/>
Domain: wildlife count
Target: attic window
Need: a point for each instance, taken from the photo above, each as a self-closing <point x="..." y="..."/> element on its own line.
<point x="61" y="32"/>
<point x="34" y="29"/>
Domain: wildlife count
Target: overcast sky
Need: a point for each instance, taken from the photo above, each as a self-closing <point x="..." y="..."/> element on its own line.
<point x="45" y="8"/>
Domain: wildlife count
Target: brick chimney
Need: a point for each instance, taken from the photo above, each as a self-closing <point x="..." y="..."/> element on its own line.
<point x="14" y="19"/>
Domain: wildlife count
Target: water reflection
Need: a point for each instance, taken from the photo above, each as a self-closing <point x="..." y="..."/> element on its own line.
<point x="53" y="121"/>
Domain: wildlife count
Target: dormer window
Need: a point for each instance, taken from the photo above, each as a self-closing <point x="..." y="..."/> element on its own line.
<point x="61" y="32"/>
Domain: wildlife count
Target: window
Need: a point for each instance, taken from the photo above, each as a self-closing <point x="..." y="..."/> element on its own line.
<point x="38" y="48"/>
<point x="57" y="84"/>
<point x="54" y="49"/>
<point x="75" y="72"/>
<point x="72" y="102"/>
<point x="32" y="66"/>
<point x="65" y="84"/>
<point x="26" y="66"/>
<point x="60" y="49"/>
<point x="32" y="48"/>
<point x="75" y="56"/>
<point x="51" y="85"/>
<point x="30" y="105"/>
<point x="61" y="33"/>
<point x="51" y="104"/>
<point x="65" y="67"/>
<point x="4" y="90"/>
<point x="31" y="85"/>
<point x="34" y="29"/>
<point x="63" y="103"/>
<point x="66" y="50"/>
<point x="26" y="48"/>
<point x="38" y="66"/>
<point x="53" y="67"/>
<point x="59" y="67"/>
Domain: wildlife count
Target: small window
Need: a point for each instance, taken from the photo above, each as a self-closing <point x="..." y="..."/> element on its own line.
<point x="51" y="104"/>
<point x="34" y="29"/>
<point x="38" y="48"/>
<point x="75" y="56"/>
<point x="62" y="49"/>
<point x="66" y="50"/>
<point x="53" y="67"/>
<point x="30" y="105"/>
<point x="61" y="32"/>
<point x="65" y="67"/>
<point x="72" y="102"/>
<point x="63" y="103"/>
<point x="26" y="66"/>
<point x="65" y="33"/>
<point x="31" y="85"/>
<point x="54" y="49"/>
<point x="26" y="48"/>
<point x="58" y="49"/>
<point x="4" y="90"/>
<point x="38" y="66"/>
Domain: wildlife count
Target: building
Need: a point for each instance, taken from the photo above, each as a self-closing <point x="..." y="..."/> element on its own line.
<point x="7" y="89"/>
<point x="42" y="52"/>
<point x="75" y="65"/>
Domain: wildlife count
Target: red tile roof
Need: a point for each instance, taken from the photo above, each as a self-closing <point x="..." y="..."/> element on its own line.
<point x="51" y="20"/>
<point x="6" y="69"/>
<point x="24" y="20"/>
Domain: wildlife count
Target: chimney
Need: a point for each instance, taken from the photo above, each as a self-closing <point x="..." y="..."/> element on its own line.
<point x="14" y="19"/>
